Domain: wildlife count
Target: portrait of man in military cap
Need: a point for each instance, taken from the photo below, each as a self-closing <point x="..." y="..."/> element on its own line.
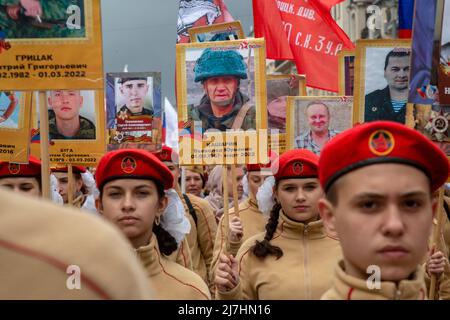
<point x="382" y="80"/>
<point x="64" y="115"/>
<point x="223" y="105"/>
<point x="37" y="19"/>
<point x="134" y="109"/>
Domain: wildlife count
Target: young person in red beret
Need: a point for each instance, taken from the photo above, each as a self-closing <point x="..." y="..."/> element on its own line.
<point x="203" y="223"/>
<point x="25" y="178"/>
<point x="294" y="258"/>
<point x="132" y="186"/>
<point x="250" y="221"/>
<point x="379" y="204"/>
<point x="83" y="187"/>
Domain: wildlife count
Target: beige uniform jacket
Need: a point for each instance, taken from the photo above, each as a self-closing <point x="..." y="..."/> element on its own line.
<point x="253" y="222"/>
<point x="170" y="280"/>
<point x="304" y="271"/>
<point x="346" y="287"/>
<point x="46" y="248"/>
<point x="201" y="236"/>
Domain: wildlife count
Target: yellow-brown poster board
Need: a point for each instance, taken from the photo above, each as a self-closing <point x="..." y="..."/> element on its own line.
<point x="279" y="87"/>
<point x="15" y="114"/>
<point x="346" y="72"/>
<point x="221" y="96"/>
<point x="59" y="49"/>
<point x="71" y="144"/>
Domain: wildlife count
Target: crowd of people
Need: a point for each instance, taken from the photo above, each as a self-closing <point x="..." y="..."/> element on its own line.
<point x="307" y="226"/>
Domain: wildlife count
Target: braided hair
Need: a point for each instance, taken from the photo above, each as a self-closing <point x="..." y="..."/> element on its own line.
<point x="263" y="248"/>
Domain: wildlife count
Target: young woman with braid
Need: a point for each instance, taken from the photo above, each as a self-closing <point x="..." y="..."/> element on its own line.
<point x="294" y="258"/>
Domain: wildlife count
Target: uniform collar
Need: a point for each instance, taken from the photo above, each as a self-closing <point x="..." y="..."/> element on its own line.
<point x="351" y="288"/>
<point x="150" y="256"/>
<point x="291" y="229"/>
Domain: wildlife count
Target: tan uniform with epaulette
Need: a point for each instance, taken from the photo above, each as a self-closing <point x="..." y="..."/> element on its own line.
<point x="43" y="246"/>
<point x="303" y="272"/>
<point x="201" y="236"/>
<point x="170" y="280"/>
<point x="253" y="222"/>
<point x="346" y="287"/>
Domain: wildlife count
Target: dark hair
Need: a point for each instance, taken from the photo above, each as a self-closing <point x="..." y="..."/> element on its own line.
<point x="263" y="248"/>
<point x="167" y="244"/>
<point x="395" y="53"/>
<point x="84" y="189"/>
<point x="331" y="194"/>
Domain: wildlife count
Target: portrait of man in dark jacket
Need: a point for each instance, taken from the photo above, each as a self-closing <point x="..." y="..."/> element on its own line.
<point x="389" y="103"/>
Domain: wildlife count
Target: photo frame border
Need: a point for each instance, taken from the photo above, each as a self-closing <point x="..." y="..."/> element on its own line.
<point x="360" y="70"/>
<point x="341" y="70"/>
<point x="259" y="55"/>
<point x="21" y="135"/>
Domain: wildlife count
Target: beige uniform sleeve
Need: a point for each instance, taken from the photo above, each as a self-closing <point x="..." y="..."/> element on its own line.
<point x="206" y="232"/>
<point x="245" y="289"/>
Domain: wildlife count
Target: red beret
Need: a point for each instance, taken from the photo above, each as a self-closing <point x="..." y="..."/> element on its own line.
<point x="167" y="154"/>
<point x="381" y="142"/>
<point x="258" y="166"/>
<point x="296" y="163"/>
<point x="64" y="168"/>
<point x="32" y="169"/>
<point x="132" y="164"/>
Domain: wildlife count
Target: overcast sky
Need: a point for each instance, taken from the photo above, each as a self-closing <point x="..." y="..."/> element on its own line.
<point x="142" y="35"/>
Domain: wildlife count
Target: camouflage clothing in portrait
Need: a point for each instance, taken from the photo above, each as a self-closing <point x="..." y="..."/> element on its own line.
<point x="54" y="17"/>
<point x="86" y="131"/>
<point x="204" y="113"/>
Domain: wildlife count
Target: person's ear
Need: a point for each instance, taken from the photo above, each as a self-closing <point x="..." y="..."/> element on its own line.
<point x="327" y="214"/>
<point x="49" y="101"/>
<point x="434" y="206"/>
<point x="81" y="100"/>
<point x="162" y="205"/>
<point x="99" y="206"/>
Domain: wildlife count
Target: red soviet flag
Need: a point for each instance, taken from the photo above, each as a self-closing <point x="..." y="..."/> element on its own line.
<point x="196" y="13"/>
<point x="303" y="31"/>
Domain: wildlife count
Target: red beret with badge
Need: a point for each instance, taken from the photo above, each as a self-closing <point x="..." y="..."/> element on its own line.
<point x="64" y="168"/>
<point x="32" y="169"/>
<point x="167" y="154"/>
<point x="381" y="142"/>
<point x="296" y="163"/>
<point x="132" y="164"/>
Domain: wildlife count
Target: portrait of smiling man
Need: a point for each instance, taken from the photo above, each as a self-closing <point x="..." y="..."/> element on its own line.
<point x="65" y="121"/>
<point x="223" y="106"/>
<point x="390" y="103"/>
<point x="318" y="117"/>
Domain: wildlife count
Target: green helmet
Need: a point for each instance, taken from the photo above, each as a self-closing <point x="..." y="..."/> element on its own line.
<point x="217" y="63"/>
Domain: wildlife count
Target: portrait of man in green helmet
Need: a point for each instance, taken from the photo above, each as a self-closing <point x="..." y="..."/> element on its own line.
<point x="38" y="19"/>
<point x="223" y="105"/>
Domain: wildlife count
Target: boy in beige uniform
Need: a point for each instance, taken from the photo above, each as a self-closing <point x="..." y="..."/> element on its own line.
<point x="42" y="245"/>
<point x="379" y="204"/>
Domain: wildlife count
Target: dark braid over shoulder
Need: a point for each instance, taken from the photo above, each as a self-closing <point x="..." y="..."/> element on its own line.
<point x="167" y="244"/>
<point x="263" y="248"/>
